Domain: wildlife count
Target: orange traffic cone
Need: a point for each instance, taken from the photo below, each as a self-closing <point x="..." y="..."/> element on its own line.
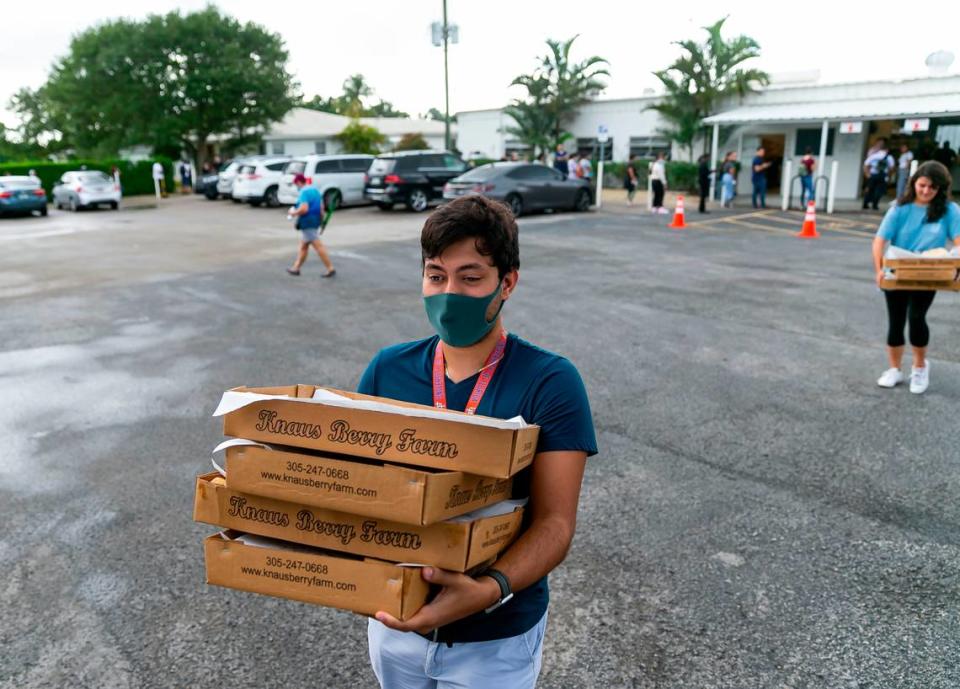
<point x="678" y="222"/>
<point x="809" y="229"/>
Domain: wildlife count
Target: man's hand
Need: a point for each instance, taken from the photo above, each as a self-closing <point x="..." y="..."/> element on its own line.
<point x="461" y="596"/>
<point x="880" y="276"/>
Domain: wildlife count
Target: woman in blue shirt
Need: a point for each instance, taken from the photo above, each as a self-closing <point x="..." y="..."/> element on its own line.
<point x="924" y="218"/>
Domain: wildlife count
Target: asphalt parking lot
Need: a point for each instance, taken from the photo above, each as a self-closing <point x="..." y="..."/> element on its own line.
<point x="760" y="514"/>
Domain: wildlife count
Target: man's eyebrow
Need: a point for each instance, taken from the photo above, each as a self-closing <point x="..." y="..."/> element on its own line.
<point x="469" y="266"/>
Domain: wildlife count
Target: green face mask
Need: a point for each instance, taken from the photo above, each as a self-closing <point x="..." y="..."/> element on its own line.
<point x="459" y="320"/>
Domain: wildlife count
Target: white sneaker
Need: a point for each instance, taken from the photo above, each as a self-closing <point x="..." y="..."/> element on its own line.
<point x="890" y="378"/>
<point x="920" y="379"/>
<point x="663" y="211"/>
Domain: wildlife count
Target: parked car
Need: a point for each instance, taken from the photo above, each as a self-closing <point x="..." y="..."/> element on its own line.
<point x="227" y="174"/>
<point x="339" y="178"/>
<point x="414" y="178"/>
<point x="22" y="195"/>
<point x="207" y="182"/>
<point x="523" y="187"/>
<point x="258" y="181"/>
<point x="86" y="189"/>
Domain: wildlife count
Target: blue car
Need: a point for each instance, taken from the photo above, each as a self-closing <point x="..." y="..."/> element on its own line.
<point x="22" y="195"/>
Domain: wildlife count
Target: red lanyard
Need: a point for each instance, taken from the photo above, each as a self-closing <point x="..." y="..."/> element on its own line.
<point x="486" y="374"/>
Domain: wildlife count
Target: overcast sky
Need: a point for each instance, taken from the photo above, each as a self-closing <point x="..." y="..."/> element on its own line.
<point x="389" y="41"/>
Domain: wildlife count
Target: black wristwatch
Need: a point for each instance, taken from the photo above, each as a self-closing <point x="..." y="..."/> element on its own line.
<point x="505" y="593"/>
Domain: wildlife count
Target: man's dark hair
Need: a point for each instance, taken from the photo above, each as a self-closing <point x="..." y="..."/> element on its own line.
<point x="489" y="223"/>
<point x="940" y="178"/>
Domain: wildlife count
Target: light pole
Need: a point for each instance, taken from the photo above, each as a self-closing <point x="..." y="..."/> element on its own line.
<point x="446" y="82"/>
<point x="445" y="33"/>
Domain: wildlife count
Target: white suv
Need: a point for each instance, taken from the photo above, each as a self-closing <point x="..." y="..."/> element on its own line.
<point x="339" y="178"/>
<point x="257" y="181"/>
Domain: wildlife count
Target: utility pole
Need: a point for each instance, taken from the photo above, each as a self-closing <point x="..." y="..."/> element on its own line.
<point x="446" y="82"/>
<point x="444" y="34"/>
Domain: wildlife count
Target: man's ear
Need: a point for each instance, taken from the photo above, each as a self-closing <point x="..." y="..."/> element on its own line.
<point x="510" y="281"/>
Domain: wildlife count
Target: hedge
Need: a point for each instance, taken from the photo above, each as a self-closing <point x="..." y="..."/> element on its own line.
<point x="681" y="176"/>
<point x="135" y="178"/>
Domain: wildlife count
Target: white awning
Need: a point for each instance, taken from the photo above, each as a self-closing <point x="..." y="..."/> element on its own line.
<point x="938" y="105"/>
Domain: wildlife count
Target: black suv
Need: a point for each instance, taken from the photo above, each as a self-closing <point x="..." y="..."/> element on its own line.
<point x="411" y="177"/>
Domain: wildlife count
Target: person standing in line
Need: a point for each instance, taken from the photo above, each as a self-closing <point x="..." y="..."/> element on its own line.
<point x="876" y="168"/>
<point x="759" y="166"/>
<point x="309" y="214"/>
<point x="484" y="629"/>
<point x="923" y="218"/>
<point x="807" y="165"/>
<point x="703" y="177"/>
<point x="728" y="179"/>
<point x="630" y="179"/>
<point x="945" y="155"/>
<point x="658" y="180"/>
<point x="903" y="168"/>
<point x="560" y="160"/>
<point x="586" y="168"/>
<point x="159" y="179"/>
<point x="186" y="177"/>
<point x="573" y="166"/>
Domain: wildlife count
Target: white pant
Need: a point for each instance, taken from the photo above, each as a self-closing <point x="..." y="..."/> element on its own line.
<point x="405" y="660"/>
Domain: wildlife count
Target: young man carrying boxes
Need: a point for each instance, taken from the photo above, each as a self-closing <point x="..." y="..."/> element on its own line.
<point x="486" y="630"/>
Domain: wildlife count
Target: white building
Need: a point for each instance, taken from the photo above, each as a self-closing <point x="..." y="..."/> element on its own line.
<point x="786" y="119"/>
<point x="304" y="131"/>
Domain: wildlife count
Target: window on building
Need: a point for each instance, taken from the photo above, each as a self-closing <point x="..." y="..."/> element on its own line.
<point x="320" y="147"/>
<point x="591" y="147"/>
<point x="810" y="138"/>
<point x="649" y="146"/>
<point x="278" y="148"/>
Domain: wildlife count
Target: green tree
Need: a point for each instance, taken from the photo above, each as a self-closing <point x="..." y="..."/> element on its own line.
<point x="352" y="101"/>
<point x="437" y="115"/>
<point x="411" y="142"/>
<point x="533" y="121"/>
<point x="384" y="109"/>
<point x="702" y="77"/>
<point x="357" y="137"/>
<point x="321" y="104"/>
<point x="355" y="89"/>
<point x="171" y="81"/>
<point x="559" y="87"/>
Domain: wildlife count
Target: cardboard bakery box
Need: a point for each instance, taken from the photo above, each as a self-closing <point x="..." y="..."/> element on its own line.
<point x="456" y="545"/>
<point x="362" y="585"/>
<point x="922" y="273"/>
<point x="374" y="489"/>
<point x="378" y="428"/>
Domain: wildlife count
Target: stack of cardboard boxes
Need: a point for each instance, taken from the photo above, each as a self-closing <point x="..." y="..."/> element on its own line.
<point x="336" y="498"/>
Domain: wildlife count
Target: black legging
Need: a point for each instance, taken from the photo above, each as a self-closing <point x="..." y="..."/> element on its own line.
<point x="657" y="193"/>
<point x="912" y="305"/>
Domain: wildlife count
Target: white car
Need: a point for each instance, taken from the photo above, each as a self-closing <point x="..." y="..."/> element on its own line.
<point x="338" y="178"/>
<point x="228" y="175"/>
<point x="258" y="181"/>
<point x="86" y="188"/>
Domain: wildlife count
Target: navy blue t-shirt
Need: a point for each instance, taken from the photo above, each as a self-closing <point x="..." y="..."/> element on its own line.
<point x="543" y="388"/>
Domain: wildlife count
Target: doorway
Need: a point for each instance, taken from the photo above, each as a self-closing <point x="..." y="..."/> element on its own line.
<point x="773" y="147"/>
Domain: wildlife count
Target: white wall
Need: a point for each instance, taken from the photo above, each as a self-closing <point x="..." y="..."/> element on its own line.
<point x="482" y="131"/>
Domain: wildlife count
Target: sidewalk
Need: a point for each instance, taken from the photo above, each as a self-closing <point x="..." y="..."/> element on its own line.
<point x="616" y="199"/>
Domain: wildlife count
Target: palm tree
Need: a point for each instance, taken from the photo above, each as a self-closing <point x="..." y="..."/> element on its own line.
<point x="533" y="121"/>
<point x="701" y="78"/>
<point x="355" y="89"/>
<point x="555" y="91"/>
